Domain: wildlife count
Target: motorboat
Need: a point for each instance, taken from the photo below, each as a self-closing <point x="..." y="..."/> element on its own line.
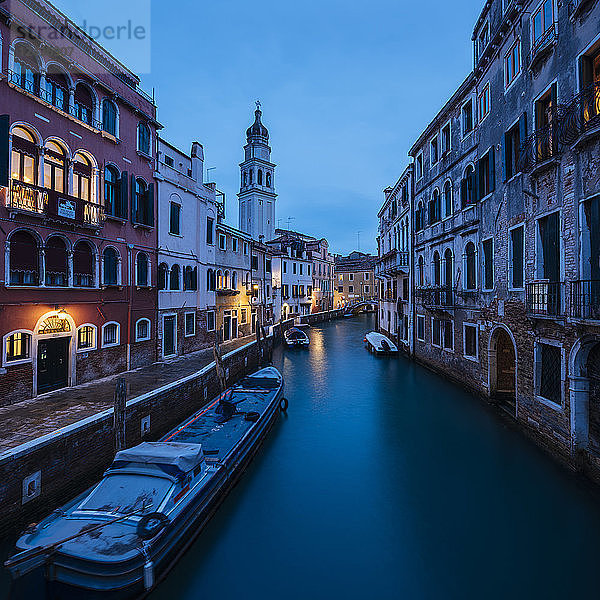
<point x="122" y="536"/>
<point x="295" y="337"/>
<point x="379" y="343"/>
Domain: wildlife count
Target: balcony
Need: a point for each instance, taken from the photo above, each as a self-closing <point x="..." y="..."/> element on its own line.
<point x="543" y="47"/>
<point x="585" y="299"/>
<point x="227" y="292"/>
<point x="539" y="149"/>
<point x="544" y="298"/>
<point x="437" y="296"/>
<point x="393" y="263"/>
<point x="34" y="200"/>
<point x="581" y="116"/>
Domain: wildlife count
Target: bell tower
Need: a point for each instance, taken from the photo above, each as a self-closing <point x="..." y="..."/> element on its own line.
<point x="257" y="183"/>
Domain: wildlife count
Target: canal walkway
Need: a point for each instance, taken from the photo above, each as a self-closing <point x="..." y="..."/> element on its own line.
<point x="33" y="418"/>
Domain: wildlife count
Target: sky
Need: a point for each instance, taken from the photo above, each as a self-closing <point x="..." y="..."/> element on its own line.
<point x="346" y="88"/>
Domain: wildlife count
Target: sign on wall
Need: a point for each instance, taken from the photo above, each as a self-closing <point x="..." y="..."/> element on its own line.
<point x="66" y="208"/>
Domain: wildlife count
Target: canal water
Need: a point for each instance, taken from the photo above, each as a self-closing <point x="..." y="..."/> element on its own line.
<point x="386" y="481"/>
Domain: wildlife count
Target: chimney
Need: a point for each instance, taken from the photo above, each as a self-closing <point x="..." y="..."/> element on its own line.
<point x="198" y="162"/>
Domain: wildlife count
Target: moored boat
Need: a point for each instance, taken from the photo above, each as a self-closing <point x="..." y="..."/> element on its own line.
<point x="379" y="343"/>
<point x="295" y="337"/>
<point x="121" y="537"/>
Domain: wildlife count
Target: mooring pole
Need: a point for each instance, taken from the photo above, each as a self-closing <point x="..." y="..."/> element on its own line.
<point x="119" y="409"/>
<point x="219" y="362"/>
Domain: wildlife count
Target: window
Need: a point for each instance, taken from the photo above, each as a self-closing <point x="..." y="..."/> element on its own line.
<point x="112" y="200"/>
<point x="447" y="199"/>
<point x="467" y="118"/>
<point x="142" y="330"/>
<point x="163" y="271"/>
<point x="351" y="277"/>
<point x="111" y="266"/>
<point x="434" y="150"/>
<point x="57" y="89"/>
<point x="254" y="263"/>
<point x="512" y="145"/>
<point x="210" y="320"/>
<point x="56" y="262"/>
<point x="222" y="242"/>
<point x="470" y="340"/>
<point x="419" y="166"/>
<point x="259" y="177"/>
<point x="549" y="372"/>
<point x="245" y="248"/>
<point x="543" y="20"/>
<point x="512" y="63"/>
<point x="468" y="189"/>
<point x="448" y="335"/>
<point x="86" y="337"/>
<point x="142" y="270"/>
<point x="110" y="334"/>
<point x="174" y="278"/>
<point x="210" y="225"/>
<point x="190" y="278"/>
<point x="436" y="332"/>
<point x="366" y="289"/>
<point x="144" y="138"/>
<point x="84" y="104"/>
<point x="83" y="265"/>
<point x="483" y="102"/>
<point x="109" y="117"/>
<point x="175" y="219"/>
<point x="517" y="258"/>
<point x="471" y="266"/>
<point x="545" y="115"/>
<point x="143" y="202"/>
<point x="234" y="244"/>
<point x="487" y="173"/>
<point x="284" y="266"/>
<point x="294" y="268"/>
<point x="488" y="264"/>
<point x="268" y="180"/>
<point x="350" y="289"/>
<point x="420" y="216"/>
<point x="190" y="324"/>
<point x="268" y="265"/>
<point x="54" y="167"/>
<point x="434" y="207"/>
<point x="301" y="268"/>
<point x="169" y="161"/>
<point x="421" y="328"/>
<point x="446" y="140"/>
<point x="82" y="180"/>
<point x="18" y="347"/>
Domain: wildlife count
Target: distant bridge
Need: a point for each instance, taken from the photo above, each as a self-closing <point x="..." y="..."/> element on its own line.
<point x="360" y="303"/>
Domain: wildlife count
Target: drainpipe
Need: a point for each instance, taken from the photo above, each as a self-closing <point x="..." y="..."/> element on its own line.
<point x="129" y="301"/>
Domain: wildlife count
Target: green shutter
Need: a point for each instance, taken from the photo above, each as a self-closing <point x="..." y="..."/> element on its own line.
<point x="506" y="158"/>
<point x="476" y="181"/>
<point x="123" y="195"/>
<point x="134" y="206"/>
<point x="4" y="153"/>
<point x="594" y="228"/>
<point x="151" y="205"/>
<point x="492" y="168"/>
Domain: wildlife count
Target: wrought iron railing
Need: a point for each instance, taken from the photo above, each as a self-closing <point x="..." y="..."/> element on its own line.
<point x="56" y="279"/>
<point x="437" y="296"/>
<point x="24" y="277"/>
<point x="539" y="147"/>
<point x="580" y="115"/>
<point x="27" y="197"/>
<point x="585" y="299"/>
<point x="543" y="45"/>
<point x="544" y="298"/>
<point x="83" y="280"/>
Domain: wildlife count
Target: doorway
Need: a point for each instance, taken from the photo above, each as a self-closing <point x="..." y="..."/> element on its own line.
<point x="169" y="335"/>
<point x="52" y="364"/>
<point x="503" y="370"/>
<point x="226" y="327"/>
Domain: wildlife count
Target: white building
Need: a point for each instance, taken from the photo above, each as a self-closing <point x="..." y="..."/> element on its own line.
<point x="187" y="216"/>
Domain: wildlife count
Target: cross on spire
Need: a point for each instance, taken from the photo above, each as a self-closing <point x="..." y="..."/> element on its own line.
<point x="258" y="105"/>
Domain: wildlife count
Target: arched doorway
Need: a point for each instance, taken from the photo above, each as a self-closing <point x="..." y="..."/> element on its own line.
<point x="584" y="384"/>
<point x="503" y="369"/>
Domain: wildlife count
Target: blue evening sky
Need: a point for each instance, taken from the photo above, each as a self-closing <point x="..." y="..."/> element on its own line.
<point x="346" y="88"/>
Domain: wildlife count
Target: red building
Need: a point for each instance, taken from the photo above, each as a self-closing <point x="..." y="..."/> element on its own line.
<point x="77" y="206"/>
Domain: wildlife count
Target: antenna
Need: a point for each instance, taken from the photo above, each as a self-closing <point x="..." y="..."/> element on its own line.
<point x="358" y="239"/>
<point x="289" y="220"/>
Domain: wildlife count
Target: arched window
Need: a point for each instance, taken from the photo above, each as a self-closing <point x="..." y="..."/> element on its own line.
<point x="260" y="177"/>
<point x="86" y="337"/>
<point x="234" y="280"/>
<point x="210" y="280"/>
<point x="111" y="192"/>
<point x="57" y="89"/>
<point x="163" y="270"/>
<point x="84" y="104"/>
<point x="226" y="280"/>
<point x="437" y="269"/>
<point x="421" y="271"/>
<point x="82" y="177"/>
<point x="83" y="265"/>
<point x="471" y="266"/>
<point x="111" y="333"/>
<point x="190" y="278"/>
<point x="268" y="178"/>
<point x="56" y="262"/>
<point x="448" y="268"/>
<point x="17" y="347"/>
<point x="24" y="259"/>
<point x="54" y="167"/>
<point x="420" y="216"/>
<point x="144" y="138"/>
<point x="174" y="280"/>
<point x="447" y="199"/>
<point x="27" y="69"/>
<point x="109" y="117"/>
<point x="24" y="164"/>
<point x="220" y="280"/>
<point x="142" y="330"/>
<point x="467" y="187"/>
<point x="111" y="270"/>
<point x="434" y="207"/>
<point x="142" y="270"/>
<point x="250" y="176"/>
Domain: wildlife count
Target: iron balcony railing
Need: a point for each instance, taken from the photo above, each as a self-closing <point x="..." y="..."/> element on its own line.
<point x="585" y="299"/>
<point x="540" y="146"/>
<point x="545" y="298"/>
<point x="580" y="115"/>
<point x="49" y="203"/>
<point x="437" y="296"/>
<point x="542" y="46"/>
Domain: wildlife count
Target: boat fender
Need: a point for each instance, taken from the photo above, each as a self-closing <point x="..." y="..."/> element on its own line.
<point x="252" y="416"/>
<point x="151" y="525"/>
<point x="283" y="405"/>
<point x="148" y="575"/>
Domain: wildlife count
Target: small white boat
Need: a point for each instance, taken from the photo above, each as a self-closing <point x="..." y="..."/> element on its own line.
<point x="379" y="343"/>
<point x="295" y="337"/>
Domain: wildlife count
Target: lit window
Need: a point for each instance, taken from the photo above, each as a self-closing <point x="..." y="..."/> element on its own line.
<point x="18" y="347"/>
<point x="86" y="337"/>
